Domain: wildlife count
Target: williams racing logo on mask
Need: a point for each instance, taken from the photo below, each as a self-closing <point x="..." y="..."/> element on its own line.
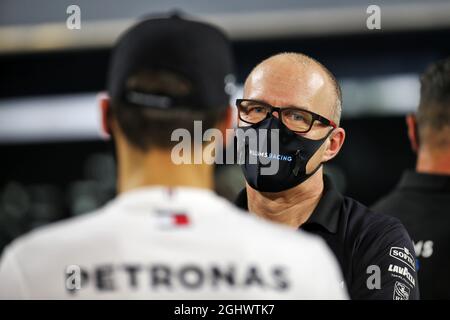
<point x="403" y="255"/>
<point x="272" y="156"/>
<point x="401" y="291"/>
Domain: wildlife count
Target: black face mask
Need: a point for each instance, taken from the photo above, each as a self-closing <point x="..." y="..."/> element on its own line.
<point x="294" y="153"/>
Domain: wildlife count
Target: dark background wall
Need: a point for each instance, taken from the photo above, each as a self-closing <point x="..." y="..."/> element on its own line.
<point x="47" y="181"/>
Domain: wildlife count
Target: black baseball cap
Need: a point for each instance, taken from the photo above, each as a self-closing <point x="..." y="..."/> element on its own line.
<point x="196" y="51"/>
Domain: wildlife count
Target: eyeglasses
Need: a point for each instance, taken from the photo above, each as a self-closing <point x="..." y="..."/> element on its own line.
<point x="296" y="119"/>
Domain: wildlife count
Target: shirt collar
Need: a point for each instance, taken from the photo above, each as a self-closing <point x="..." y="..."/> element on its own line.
<point x="241" y="200"/>
<point x="424" y="181"/>
<point x="327" y="212"/>
<point x="162" y="196"/>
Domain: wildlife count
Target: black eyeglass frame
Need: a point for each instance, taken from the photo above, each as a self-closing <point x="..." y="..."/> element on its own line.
<point x="315" y="116"/>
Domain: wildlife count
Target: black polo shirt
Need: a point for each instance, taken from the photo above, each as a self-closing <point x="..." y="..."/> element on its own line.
<point x="422" y="203"/>
<point x="375" y="252"/>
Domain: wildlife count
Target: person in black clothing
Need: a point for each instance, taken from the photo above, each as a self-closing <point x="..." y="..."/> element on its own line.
<point x="421" y="200"/>
<point x="293" y="103"/>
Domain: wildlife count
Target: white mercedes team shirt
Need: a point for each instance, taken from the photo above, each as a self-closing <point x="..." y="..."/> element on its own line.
<point x="161" y="243"/>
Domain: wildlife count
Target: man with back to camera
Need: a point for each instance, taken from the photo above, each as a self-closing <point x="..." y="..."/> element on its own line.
<point x="299" y="97"/>
<point x="167" y="235"/>
<point x="421" y="200"/>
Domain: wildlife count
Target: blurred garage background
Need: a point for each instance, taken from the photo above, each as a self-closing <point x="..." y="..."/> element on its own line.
<point x="54" y="163"/>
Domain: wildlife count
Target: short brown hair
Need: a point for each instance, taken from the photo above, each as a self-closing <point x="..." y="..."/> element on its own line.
<point x="434" y="109"/>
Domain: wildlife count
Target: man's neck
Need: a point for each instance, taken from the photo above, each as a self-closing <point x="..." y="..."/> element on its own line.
<point x="157" y="168"/>
<point x="292" y="207"/>
<point x="433" y="162"/>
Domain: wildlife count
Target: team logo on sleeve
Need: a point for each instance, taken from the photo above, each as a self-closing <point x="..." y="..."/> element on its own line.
<point x="402" y="273"/>
<point x="403" y="255"/>
<point x="401" y="291"/>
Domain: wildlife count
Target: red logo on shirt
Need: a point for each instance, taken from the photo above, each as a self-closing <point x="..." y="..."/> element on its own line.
<point x="181" y="219"/>
<point x="169" y="218"/>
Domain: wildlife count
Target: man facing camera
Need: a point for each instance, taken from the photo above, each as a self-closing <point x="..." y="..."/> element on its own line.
<point x="298" y="98"/>
<point x="167" y="235"/>
<point x="421" y="200"/>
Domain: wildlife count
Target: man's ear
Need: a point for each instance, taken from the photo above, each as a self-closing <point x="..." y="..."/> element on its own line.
<point x="413" y="135"/>
<point x="104" y="105"/>
<point x="336" y="139"/>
